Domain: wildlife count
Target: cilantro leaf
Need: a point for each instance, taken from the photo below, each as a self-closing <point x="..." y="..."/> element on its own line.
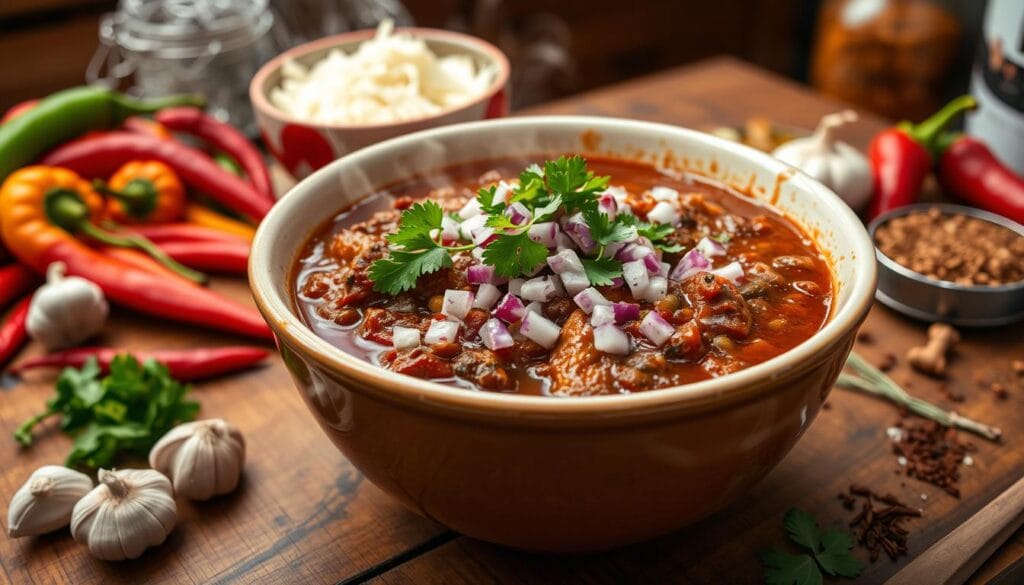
<point x="514" y="254"/>
<point x="415" y="224"/>
<point x="601" y="271"/>
<point x="485" y="197"/>
<point x="655" y="232"/>
<point x="125" y="412"/>
<point x="399" y="271"/>
<point x="835" y="557"/>
<point x="785" y="569"/>
<point x="604" y="231"/>
<point x="802" y="529"/>
<point x="545" y="212"/>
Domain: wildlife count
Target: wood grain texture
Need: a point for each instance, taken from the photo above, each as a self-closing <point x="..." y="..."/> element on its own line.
<point x="304" y="515"/>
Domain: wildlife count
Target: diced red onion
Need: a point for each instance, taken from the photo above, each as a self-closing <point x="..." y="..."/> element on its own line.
<point x="404" y="337"/>
<point x="656" y="328"/>
<point x="626" y="312"/>
<point x="486" y="295"/>
<point x="574" y="282"/>
<point x="610" y="339"/>
<point x="477" y="254"/>
<point x="618" y="192"/>
<point x="544" y="233"/>
<point x="665" y="268"/>
<point x="484" y="236"/>
<point x="564" y="242"/>
<point x="656" y="289"/>
<point x="540" y="330"/>
<point x="602" y="314"/>
<point x="537" y="269"/>
<point x="664" y="212"/>
<point x="577" y="229"/>
<point x="710" y="248"/>
<point x="665" y="194"/>
<point x="691" y="263"/>
<point x="470" y="209"/>
<point x="495" y="335"/>
<point x="652" y="264"/>
<point x="457" y="303"/>
<point x="441" y="332"/>
<point x="607" y="205"/>
<point x="510" y="309"/>
<point x="733" y="271"/>
<point x="538" y="289"/>
<point x="449" y="231"/>
<point x="515" y="285"/>
<point x="501" y="192"/>
<point x="589" y="298"/>
<point x="637" y="279"/>
<point x="468" y="228"/>
<point x="518" y="213"/>
<point x="535" y="307"/>
<point x="617" y="282"/>
<point x="565" y="261"/>
<point x="480" y="274"/>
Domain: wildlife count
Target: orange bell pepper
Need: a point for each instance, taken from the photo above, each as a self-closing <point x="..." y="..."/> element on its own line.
<point x="144" y="192"/>
<point x="41" y="208"/>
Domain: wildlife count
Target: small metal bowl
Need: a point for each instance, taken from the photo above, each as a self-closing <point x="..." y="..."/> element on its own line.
<point x="921" y="297"/>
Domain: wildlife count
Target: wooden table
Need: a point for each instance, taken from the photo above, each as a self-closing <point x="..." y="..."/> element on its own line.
<point x="304" y="515"/>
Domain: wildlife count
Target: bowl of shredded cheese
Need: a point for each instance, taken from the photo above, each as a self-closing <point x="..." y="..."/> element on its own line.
<point x="324" y="99"/>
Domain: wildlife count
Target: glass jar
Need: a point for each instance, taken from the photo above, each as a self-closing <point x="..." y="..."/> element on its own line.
<point x="212" y="47"/>
<point x="890" y="56"/>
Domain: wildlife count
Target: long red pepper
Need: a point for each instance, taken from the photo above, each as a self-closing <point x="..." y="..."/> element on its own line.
<point x="223" y="257"/>
<point x="186" y="365"/>
<point x="100" y="156"/>
<point x="221" y="136"/>
<point x="12" y="333"/>
<point x="901" y="157"/>
<point x="969" y="170"/>
<point x="182" y="232"/>
<point x="15" y="280"/>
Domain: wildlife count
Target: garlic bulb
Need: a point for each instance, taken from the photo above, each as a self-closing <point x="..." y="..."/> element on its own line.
<point x="836" y="164"/>
<point x="203" y="458"/>
<point x="129" y="511"/>
<point x="66" y="310"/>
<point x="44" y="503"/>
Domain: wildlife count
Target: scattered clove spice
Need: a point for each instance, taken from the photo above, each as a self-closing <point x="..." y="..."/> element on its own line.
<point x="888" y="362"/>
<point x="932" y="453"/>
<point x="878" y="526"/>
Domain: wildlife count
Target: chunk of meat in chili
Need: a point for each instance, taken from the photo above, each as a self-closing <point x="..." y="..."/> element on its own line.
<point x="378" y="323"/>
<point x="718" y="306"/>
<point x="576" y="367"/>
<point x="483" y="368"/>
<point x="417" y="361"/>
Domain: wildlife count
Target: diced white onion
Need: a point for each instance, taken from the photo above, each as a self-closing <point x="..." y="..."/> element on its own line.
<point x="441" y="332"/>
<point x="515" y="285"/>
<point x="665" y="194"/>
<point x="501" y="192"/>
<point x="710" y="248"/>
<point x="484" y="236"/>
<point x="564" y="242"/>
<point x="656" y="328"/>
<point x="665" y="267"/>
<point x="540" y="330"/>
<point x="538" y="289"/>
<point x="495" y="335"/>
<point x="468" y="228"/>
<point x="518" y="213"/>
<point x="589" y="298"/>
<point x="544" y="233"/>
<point x="637" y="279"/>
<point x="486" y="295"/>
<point x="733" y="271"/>
<point x="535" y="307"/>
<point x="610" y="339"/>
<point x="457" y="303"/>
<point x="471" y="209"/>
<point x="449" y="230"/>
<point x="602" y="314"/>
<point x="405" y="337"/>
<point x="656" y="289"/>
<point x="574" y="282"/>
<point x="565" y="261"/>
<point x="664" y="212"/>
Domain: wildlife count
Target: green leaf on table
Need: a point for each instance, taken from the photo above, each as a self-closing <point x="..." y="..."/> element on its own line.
<point x="785" y="569"/>
<point x="802" y="529"/>
<point x="835" y="556"/>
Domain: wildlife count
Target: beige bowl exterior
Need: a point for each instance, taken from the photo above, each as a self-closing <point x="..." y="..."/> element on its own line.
<point x="302" y="147"/>
<point x="550" y="474"/>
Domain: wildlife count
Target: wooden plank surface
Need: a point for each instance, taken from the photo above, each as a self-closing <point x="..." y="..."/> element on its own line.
<point x="305" y="515"/>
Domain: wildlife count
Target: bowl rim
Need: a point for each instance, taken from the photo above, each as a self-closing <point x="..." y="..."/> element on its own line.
<point x="948" y="209"/>
<point x="274" y="299"/>
<point x="258" y="94"/>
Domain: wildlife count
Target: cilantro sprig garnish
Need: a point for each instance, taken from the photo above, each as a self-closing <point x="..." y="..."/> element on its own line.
<point x="559" y="188"/>
<point x="829" y="552"/>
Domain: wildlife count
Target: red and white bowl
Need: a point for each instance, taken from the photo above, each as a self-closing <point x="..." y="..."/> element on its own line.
<point x="303" y="147"/>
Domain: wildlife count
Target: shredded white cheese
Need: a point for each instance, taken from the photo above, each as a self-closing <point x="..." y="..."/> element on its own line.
<point x="389" y="78"/>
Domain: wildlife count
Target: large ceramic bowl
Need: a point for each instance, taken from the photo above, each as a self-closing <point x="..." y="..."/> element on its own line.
<point x="563" y="474"/>
<point x="302" y="147"/>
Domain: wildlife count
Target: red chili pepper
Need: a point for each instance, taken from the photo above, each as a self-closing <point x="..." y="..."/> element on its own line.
<point x="12" y="333"/>
<point x="100" y="156"/>
<point x="969" y="170"/>
<point x="160" y="233"/>
<point x="186" y="365"/>
<point x="15" y="280"/>
<point x="221" y="136"/>
<point x="902" y="157"/>
<point x="223" y="257"/>
<point x="146" y="126"/>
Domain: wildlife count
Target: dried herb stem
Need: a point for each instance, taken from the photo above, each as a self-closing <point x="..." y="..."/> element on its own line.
<point x="871" y="380"/>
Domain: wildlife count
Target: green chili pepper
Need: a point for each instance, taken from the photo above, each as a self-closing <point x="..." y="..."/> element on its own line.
<point x="229" y="164"/>
<point x="70" y="113"/>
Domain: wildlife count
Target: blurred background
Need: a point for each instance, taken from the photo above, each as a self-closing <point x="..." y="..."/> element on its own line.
<point x="899" y="58"/>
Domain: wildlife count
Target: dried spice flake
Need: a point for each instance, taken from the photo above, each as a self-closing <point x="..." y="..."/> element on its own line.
<point x="933" y="453"/>
<point x="878" y="526"/>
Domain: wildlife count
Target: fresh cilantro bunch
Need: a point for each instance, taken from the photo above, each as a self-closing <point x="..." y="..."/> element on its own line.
<point x="561" y="187"/>
<point x="830" y="550"/>
<point x="126" y="411"/>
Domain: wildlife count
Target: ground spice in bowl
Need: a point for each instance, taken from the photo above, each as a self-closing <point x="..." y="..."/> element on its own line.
<point x="953" y="247"/>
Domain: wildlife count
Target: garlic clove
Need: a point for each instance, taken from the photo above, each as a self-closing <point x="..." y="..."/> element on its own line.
<point x="203" y="458"/>
<point x="66" y="310"/>
<point x="129" y="511"/>
<point x="44" y="503"/>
